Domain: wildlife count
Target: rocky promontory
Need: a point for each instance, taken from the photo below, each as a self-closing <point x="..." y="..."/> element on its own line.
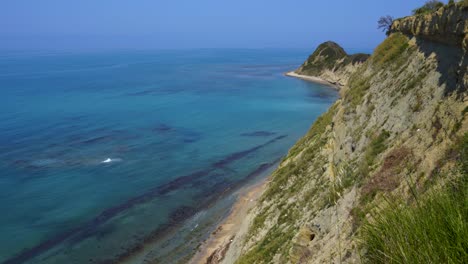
<point x="331" y="63"/>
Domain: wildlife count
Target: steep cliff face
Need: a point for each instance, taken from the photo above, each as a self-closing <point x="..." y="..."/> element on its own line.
<point x="447" y="25"/>
<point x="331" y="63"/>
<point x="401" y="114"/>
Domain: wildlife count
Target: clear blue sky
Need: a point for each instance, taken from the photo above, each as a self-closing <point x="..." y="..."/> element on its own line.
<point x="167" y="24"/>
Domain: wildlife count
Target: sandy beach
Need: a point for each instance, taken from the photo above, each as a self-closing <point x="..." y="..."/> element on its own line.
<point x="311" y="79"/>
<point x="229" y="233"/>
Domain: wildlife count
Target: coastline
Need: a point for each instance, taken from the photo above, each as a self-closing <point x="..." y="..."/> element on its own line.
<point x="224" y="243"/>
<point x="314" y="79"/>
<point x="229" y="232"/>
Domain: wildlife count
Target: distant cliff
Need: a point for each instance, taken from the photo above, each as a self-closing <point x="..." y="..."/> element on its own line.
<point x="400" y="129"/>
<point x="331" y="63"/>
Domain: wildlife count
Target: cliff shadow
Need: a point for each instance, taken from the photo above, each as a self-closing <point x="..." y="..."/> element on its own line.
<point x="451" y="63"/>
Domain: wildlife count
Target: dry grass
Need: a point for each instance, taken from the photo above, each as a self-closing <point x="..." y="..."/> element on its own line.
<point x="386" y="179"/>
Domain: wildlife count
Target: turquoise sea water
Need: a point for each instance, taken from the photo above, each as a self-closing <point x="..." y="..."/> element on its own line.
<point x="102" y="154"/>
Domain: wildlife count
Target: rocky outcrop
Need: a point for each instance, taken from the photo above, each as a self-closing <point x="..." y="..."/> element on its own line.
<point x="447" y="25"/>
<point x="401" y="113"/>
<point x="331" y="63"/>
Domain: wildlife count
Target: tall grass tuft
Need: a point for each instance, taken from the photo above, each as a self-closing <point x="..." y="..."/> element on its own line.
<point x="434" y="229"/>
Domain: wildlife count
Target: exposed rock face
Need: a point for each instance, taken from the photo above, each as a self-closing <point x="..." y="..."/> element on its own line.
<point x="331" y="63"/>
<point x="447" y="25"/>
<point x="401" y="113"/>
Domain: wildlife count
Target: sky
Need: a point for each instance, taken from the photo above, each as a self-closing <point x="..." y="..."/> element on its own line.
<point x="192" y="24"/>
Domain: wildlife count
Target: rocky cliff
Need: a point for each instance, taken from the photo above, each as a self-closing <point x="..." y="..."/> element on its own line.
<point x="396" y="130"/>
<point x="331" y="63"/>
<point x="447" y="25"/>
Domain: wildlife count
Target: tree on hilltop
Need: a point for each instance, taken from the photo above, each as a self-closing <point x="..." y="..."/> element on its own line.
<point x="385" y="23"/>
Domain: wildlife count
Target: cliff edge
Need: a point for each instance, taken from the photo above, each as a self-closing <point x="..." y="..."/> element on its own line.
<point x="400" y="129"/>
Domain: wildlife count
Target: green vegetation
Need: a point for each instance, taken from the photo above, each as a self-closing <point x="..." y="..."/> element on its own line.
<point x="428" y="227"/>
<point x="324" y="57"/>
<point x="292" y="173"/>
<point x="463" y="156"/>
<point x="392" y="53"/>
<point x="414" y="82"/>
<point x="353" y="59"/>
<point x="390" y="49"/>
<point x="418" y="104"/>
<point x="456" y="126"/>
<point x="358" y="86"/>
<point x="276" y="241"/>
<point x="431" y="229"/>
<point x="463" y="3"/>
<point x="315" y="132"/>
<point x="376" y="147"/>
<point x="287" y="180"/>
<point x="345" y="178"/>
<point x="465" y="110"/>
<point x="259" y="221"/>
<point x="429" y="7"/>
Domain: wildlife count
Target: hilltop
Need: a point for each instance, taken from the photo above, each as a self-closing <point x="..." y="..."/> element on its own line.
<point x="331" y="63"/>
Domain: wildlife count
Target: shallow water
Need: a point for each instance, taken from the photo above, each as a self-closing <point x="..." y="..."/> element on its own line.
<point x="103" y="152"/>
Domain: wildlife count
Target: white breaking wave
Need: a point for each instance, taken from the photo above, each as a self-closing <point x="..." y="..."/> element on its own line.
<point x="109" y="160"/>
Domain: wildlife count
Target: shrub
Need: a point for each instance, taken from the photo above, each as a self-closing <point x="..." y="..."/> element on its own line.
<point x="431" y="230"/>
<point x="429" y="7"/>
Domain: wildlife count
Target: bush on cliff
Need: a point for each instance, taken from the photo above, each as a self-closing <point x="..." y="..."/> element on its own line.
<point x="428" y="7"/>
<point x="432" y="229"/>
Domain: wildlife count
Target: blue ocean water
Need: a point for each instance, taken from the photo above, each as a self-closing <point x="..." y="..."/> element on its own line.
<point x="104" y="153"/>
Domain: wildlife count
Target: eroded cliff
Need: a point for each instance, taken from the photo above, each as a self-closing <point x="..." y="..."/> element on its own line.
<point x="396" y="129"/>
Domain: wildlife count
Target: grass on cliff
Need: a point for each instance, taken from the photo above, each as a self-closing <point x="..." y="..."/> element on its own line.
<point x="391" y="55"/>
<point x="275" y="242"/>
<point x="429" y="7"/>
<point x="374" y="149"/>
<point x="358" y="86"/>
<point x="432" y="229"/>
<point x="315" y="132"/>
<point x="288" y="179"/>
<point x="392" y="48"/>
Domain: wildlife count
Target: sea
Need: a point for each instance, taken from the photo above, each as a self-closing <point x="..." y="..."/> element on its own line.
<point x="136" y="156"/>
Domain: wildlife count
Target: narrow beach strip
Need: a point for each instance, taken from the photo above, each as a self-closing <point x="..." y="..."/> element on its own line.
<point x="231" y="230"/>
<point x="314" y="79"/>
